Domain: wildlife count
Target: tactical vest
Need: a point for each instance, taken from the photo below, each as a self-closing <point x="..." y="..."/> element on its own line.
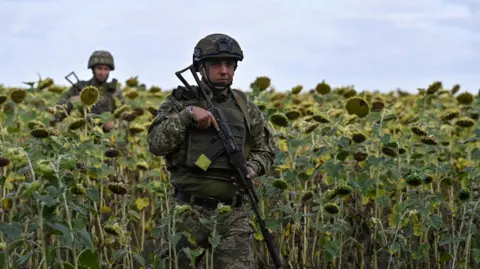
<point x="199" y="152"/>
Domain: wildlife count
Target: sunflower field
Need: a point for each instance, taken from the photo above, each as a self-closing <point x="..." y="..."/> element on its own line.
<point x="362" y="179"/>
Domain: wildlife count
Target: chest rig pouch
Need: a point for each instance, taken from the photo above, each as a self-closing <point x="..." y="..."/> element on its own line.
<point x="202" y="150"/>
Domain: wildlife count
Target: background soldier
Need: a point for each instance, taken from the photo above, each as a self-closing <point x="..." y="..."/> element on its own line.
<point x="184" y="130"/>
<point x="101" y="62"/>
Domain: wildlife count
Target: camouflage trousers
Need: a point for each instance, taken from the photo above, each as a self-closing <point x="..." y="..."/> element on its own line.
<point x="234" y="237"/>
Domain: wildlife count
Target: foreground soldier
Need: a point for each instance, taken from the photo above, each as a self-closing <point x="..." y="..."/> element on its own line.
<point x="101" y="62"/>
<point x="184" y="133"/>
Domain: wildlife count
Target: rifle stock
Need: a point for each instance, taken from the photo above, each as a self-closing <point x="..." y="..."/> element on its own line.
<point x="237" y="160"/>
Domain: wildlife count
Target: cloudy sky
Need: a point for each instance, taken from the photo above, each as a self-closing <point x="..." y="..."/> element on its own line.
<point x="372" y="44"/>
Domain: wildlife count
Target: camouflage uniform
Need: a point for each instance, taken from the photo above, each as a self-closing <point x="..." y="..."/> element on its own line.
<point x="169" y="135"/>
<point x="108" y="91"/>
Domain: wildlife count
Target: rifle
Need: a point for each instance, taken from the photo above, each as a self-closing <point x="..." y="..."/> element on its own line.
<point x="237" y="160"/>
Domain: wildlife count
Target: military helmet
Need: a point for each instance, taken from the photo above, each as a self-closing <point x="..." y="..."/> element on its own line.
<point x="216" y="46"/>
<point x="101" y="57"/>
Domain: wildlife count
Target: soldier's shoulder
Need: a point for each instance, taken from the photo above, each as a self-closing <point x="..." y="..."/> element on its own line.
<point x="79" y="85"/>
<point x="176" y="97"/>
<point x="254" y="111"/>
<point x="181" y="93"/>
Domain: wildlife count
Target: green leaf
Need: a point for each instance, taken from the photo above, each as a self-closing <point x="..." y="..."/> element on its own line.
<point x="343" y="142"/>
<point x="286" y="209"/>
<point x="24" y="258"/>
<point x="383" y="200"/>
<point x="93" y="194"/>
<point x="476" y="154"/>
<point x="273" y="224"/>
<point x="394" y="248"/>
<point x="139" y="258"/>
<point x="476" y="255"/>
<point x="86" y="238"/>
<point x="215" y="241"/>
<point x="46" y="199"/>
<point x="342" y="155"/>
<point x="372" y="160"/>
<point x="59" y="228"/>
<point x="385" y="138"/>
<point x="88" y="259"/>
<point x="174" y="238"/>
<point x="11" y="230"/>
<point x="118" y="254"/>
<point x="436" y="221"/>
<point x="454" y="240"/>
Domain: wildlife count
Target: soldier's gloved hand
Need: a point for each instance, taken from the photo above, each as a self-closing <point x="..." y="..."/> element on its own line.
<point x="203" y="118"/>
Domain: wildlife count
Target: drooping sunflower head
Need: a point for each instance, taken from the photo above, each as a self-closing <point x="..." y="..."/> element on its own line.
<point x="279" y="119"/>
<point x="262" y="83"/>
<point x="434" y="87"/>
<point x="89" y="95"/>
<point x="464" y="122"/>
<point x="357" y="106"/>
<point x="465" y="98"/>
<point x="323" y="88"/>
<point x="297" y="89"/>
<point x="293" y="113"/>
<point x="3" y="98"/>
<point x="358" y="137"/>
<point x="132" y="82"/>
<point x="18" y="95"/>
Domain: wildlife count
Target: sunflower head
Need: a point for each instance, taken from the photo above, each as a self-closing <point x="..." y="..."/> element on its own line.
<point x="89" y="95"/>
<point x="279" y="119"/>
<point x="358" y="137"/>
<point x="357" y="106"/>
<point x="323" y="88"/>
<point x="18" y="95"/>
<point x="465" y="98"/>
<point x="297" y="89"/>
<point x="293" y="114"/>
<point x="434" y="87"/>
<point x="465" y="122"/>
<point x="262" y="83"/>
<point x="132" y="82"/>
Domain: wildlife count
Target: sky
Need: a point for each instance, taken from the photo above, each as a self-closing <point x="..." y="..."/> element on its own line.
<point x="370" y="44"/>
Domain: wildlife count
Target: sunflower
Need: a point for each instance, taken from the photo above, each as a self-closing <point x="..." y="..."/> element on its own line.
<point x="323" y="88"/>
<point x="279" y="119"/>
<point x="297" y="89"/>
<point x="132" y="82"/>
<point x="262" y="83"/>
<point x="464" y="122"/>
<point x="89" y="95"/>
<point x="18" y="95"/>
<point x="357" y="106"/>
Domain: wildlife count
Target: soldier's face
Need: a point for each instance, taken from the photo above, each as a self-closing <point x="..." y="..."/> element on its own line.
<point x="221" y="70"/>
<point x="102" y="72"/>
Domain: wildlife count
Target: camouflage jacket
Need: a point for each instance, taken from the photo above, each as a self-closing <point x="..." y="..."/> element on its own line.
<point x="168" y="131"/>
<point x="108" y="93"/>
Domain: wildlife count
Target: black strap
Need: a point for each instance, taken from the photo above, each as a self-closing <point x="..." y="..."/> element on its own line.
<point x="208" y="202"/>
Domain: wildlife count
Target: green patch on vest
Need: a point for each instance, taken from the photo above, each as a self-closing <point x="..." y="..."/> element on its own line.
<point x="203" y="162"/>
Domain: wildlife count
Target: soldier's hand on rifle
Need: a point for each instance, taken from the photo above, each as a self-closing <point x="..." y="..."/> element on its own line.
<point x="251" y="175"/>
<point x="203" y="118"/>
